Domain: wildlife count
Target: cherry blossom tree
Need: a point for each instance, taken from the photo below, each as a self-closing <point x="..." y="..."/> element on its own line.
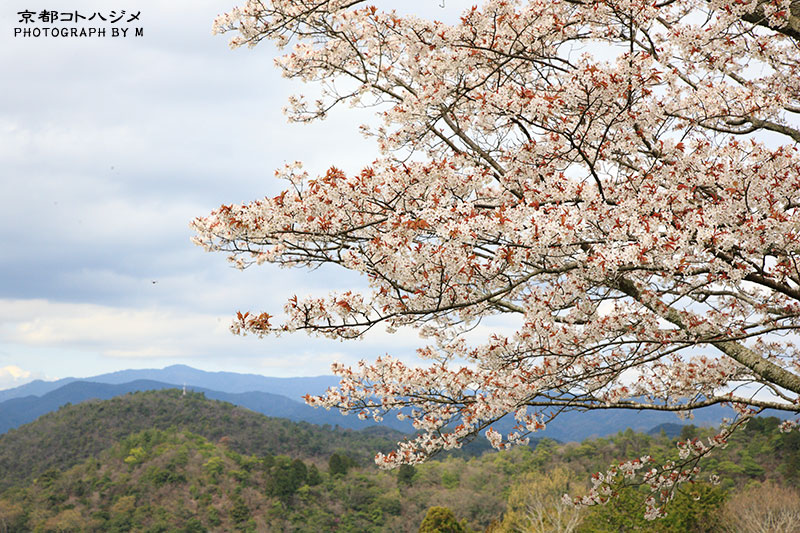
<point x="618" y="178"/>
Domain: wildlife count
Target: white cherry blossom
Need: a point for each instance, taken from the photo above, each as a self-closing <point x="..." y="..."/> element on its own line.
<point x="622" y="178"/>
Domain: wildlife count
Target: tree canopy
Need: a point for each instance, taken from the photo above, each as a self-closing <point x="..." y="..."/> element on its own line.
<point x="620" y="178"/>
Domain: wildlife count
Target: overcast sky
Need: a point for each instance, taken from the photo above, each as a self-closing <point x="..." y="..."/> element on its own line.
<point x="108" y="148"/>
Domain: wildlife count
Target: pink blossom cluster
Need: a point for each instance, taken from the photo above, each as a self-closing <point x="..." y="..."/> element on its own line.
<point x="621" y="180"/>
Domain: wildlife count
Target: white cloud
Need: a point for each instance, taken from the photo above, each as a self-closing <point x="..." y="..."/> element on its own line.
<point x="13" y="372"/>
<point x="13" y="376"/>
<point x="111" y="331"/>
<point x="131" y="335"/>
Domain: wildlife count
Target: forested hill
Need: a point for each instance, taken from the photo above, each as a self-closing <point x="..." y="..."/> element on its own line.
<point x="75" y="432"/>
<point x="173" y="480"/>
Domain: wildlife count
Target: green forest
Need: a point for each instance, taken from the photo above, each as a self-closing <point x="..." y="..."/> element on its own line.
<point x="163" y="462"/>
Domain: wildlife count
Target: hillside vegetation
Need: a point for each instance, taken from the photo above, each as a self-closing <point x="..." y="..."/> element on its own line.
<point x="262" y="474"/>
<point x="75" y="432"/>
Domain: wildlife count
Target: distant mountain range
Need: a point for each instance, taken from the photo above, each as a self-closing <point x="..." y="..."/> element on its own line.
<point x="281" y="397"/>
<point x="293" y="388"/>
<point x="18" y="411"/>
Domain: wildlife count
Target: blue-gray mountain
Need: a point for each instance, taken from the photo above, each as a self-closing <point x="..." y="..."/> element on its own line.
<point x="281" y="397"/>
<point x="19" y="411"/>
<point x="293" y="388"/>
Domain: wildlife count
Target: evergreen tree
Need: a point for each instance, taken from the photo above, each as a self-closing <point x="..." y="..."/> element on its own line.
<point x="339" y="464"/>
